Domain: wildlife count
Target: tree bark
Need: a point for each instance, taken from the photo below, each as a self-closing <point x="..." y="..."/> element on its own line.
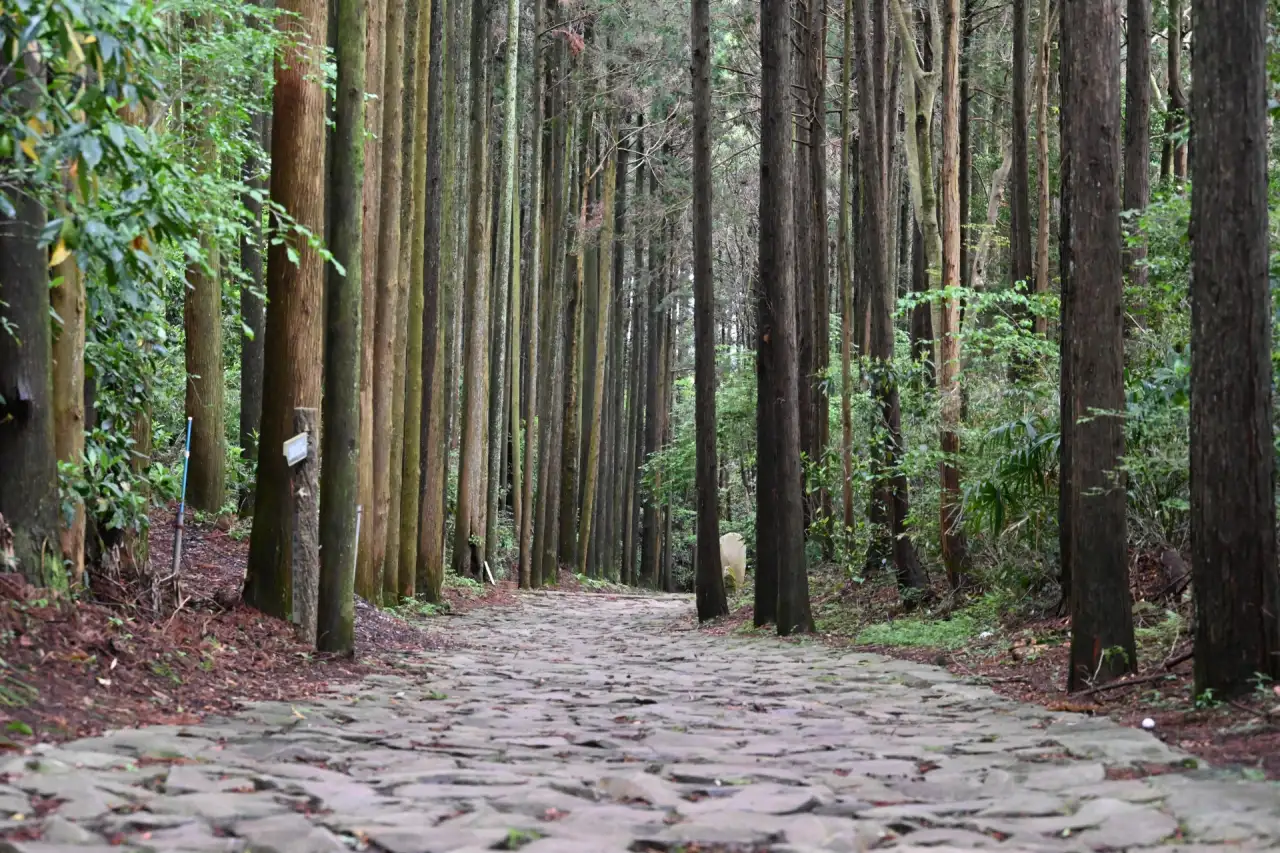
<point x="709" y="581"/>
<point x="373" y="582"/>
<point x="68" y="303"/>
<point x="253" y="310"/>
<point x="428" y="577"/>
<point x="591" y="472"/>
<point x="537" y="222"/>
<point x="340" y="418"/>
<point x="955" y="551"/>
<point x="1137" y="133"/>
<point x="418" y="318"/>
<point x="469" y="524"/>
<point x="1233" y="515"/>
<point x="507" y="261"/>
<point x="387" y="304"/>
<point x="1173" y="159"/>
<point x="844" y="251"/>
<point x="28" y="453"/>
<point x="1094" y="530"/>
<point x="293" y="340"/>
<point x="1020" y="179"/>
<point x="202" y="326"/>
<point x="1040" y="323"/>
<point x="780" y="538"/>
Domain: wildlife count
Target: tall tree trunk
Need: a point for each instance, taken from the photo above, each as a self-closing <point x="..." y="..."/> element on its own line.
<point x="469" y="524"/>
<point x="639" y="362"/>
<point x="1233" y="514"/>
<point x="569" y="465"/>
<point x="709" y="581"/>
<point x="875" y="129"/>
<point x="508" y="260"/>
<point x="780" y="539"/>
<point x="68" y="303"/>
<point x="433" y="450"/>
<point x="409" y="217"/>
<point x="591" y="472"/>
<point x="253" y="310"/>
<point x="371" y="580"/>
<point x="966" y="142"/>
<point x="341" y="424"/>
<point x="844" y="251"/>
<point x="1093" y="530"/>
<point x="649" y="550"/>
<point x="202" y="325"/>
<point x="387" y="303"/>
<point x="28" y="452"/>
<point x="1020" y="190"/>
<point x="954" y="548"/>
<point x="537" y="220"/>
<point x="1137" y="131"/>
<point x="291" y="370"/>
<point x="418" y="317"/>
<point x="1043" y="57"/>
<point x="1173" y="159"/>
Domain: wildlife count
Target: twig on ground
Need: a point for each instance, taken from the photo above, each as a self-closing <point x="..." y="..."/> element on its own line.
<point x="1182" y="658"/>
<point x="1263" y="715"/>
<point x="1117" y="685"/>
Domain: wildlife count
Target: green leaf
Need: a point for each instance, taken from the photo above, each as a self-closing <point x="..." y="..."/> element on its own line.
<point x="91" y="151"/>
<point x="19" y="727"/>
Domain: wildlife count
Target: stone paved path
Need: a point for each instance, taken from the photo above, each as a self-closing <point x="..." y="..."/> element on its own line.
<point x="582" y="724"/>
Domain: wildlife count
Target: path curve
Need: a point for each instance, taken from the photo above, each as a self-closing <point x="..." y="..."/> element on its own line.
<point x="584" y="723"/>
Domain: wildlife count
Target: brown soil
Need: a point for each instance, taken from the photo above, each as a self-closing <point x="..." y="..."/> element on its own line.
<point x="72" y="667"/>
<point x="1026" y="659"/>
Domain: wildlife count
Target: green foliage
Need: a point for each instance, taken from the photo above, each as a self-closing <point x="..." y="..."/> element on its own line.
<point x="954" y="633"/>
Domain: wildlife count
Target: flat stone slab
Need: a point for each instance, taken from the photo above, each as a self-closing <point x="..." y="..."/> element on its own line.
<point x="578" y="723"/>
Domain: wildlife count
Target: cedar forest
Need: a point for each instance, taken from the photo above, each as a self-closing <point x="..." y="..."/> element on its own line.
<point x="966" y="298"/>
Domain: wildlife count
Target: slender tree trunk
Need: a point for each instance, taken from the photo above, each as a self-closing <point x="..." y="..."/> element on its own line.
<point x="892" y="496"/>
<point x="1173" y="159"/>
<point x="780" y="538"/>
<point x="649" y="547"/>
<point x="293" y="339"/>
<point x="1047" y="19"/>
<point x="469" y="524"/>
<point x="525" y="507"/>
<point x="709" y="580"/>
<point x="202" y="325"/>
<point x="508" y="260"/>
<point x="387" y="302"/>
<point x="253" y="310"/>
<point x="371" y="581"/>
<point x="419" y="319"/>
<point x="1020" y="179"/>
<point x="966" y="142"/>
<point x="1102" y="641"/>
<point x="638" y="394"/>
<point x="954" y="548"/>
<point x="845" y="261"/>
<point x="591" y="473"/>
<point x="1233" y="514"/>
<point x="409" y="216"/>
<point x="341" y="424"/>
<point x="428" y="578"/>
<point x="1137" y="133"/>
<point x="68" y="303"/>
<point x="569" y="465"/>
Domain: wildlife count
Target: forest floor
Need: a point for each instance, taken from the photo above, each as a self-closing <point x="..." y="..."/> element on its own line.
<point x="574" y="722"/>
<point x="71" y="669"/>
<point x="1022" y="653"/>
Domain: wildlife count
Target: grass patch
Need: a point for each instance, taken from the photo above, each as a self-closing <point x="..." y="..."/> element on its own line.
<point x="956" y="632"/>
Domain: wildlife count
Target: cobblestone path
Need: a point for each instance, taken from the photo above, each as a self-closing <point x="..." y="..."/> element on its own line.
<point x="584" y="724"/>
